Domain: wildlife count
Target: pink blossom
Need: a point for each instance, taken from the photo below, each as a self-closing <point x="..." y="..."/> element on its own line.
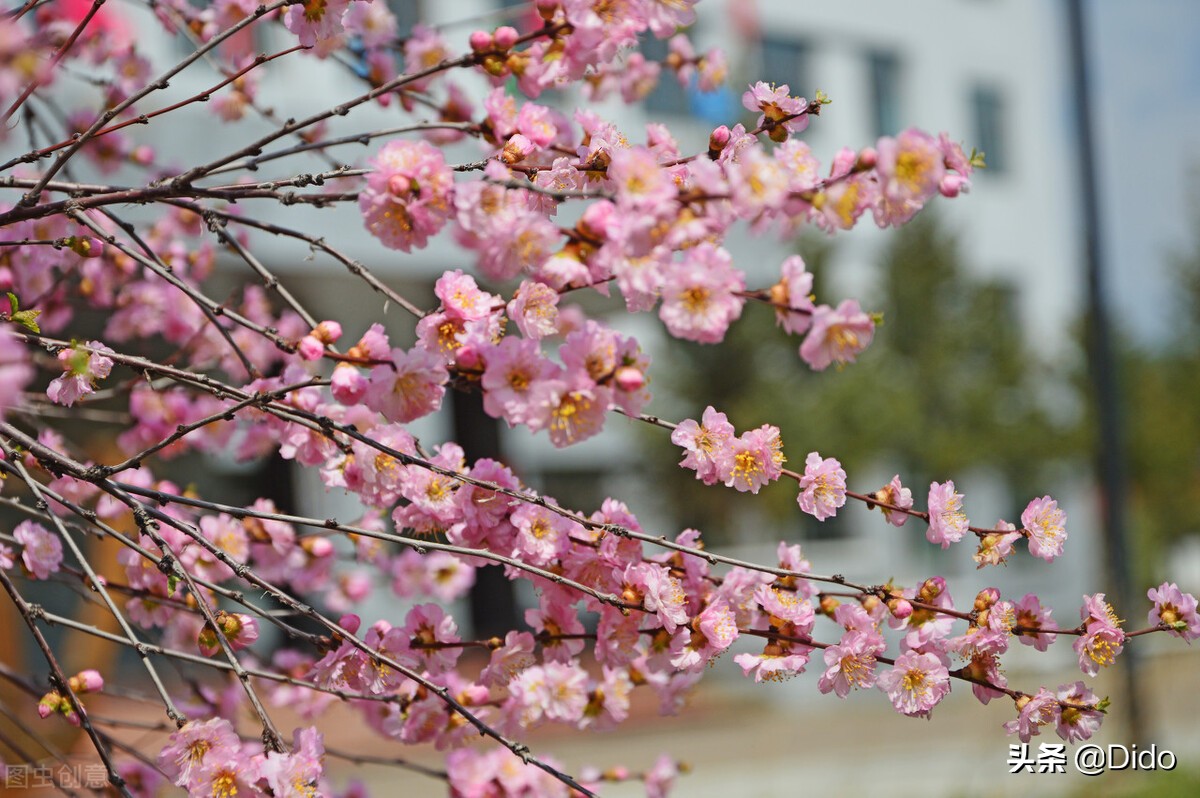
<point x="412" y="389"/>
<point x="916" y="683"/>
<point x="317" y="23"/>
<point x="81" y="369"/>
<point x="462" y="298"/>
<point x="1174" y="609"/>
<point x="897" y="496"/>
<point x="513" y="369"/>
<point x="756" y="459"/>
<point x="1074" y="724"/>
<point x="778" y="661"/>
<point x="700" y="295"/>
<point x="947" y="522"/>
<point x="1031" y="615"/>
<point x="514" y="656"/>
<point x="713" y="631"/>
<point x="542" y="535"/>
<point x="822" y="487"/>
<point x="534" y="308"/>
<point x="554" y="619"/>
<point x="1103" y="638"/>
<point x="837" y="336"/>
<point x="196" y="745"/>
<point x="1033" y="713"/>
<point x="238" y="629"/>
<point x="42" y="550"/>
<point x="571" y="409"/>
<point x="781" y="114"/>
<point x="662" y="593"/>
<point x="910" y="168"/>
<point x="296" y="774"/>
<point x="792" y="296"/>
<point x="850" y="664"/>
<point x="408" y="196"/>
<point x="708" y="446"/>
<point x="641" y="184"/>
<point x="1046" y="525"/>
<point x="997" y="545"/>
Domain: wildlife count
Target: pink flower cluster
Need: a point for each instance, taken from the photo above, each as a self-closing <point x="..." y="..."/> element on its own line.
<point x="746" y="462"/>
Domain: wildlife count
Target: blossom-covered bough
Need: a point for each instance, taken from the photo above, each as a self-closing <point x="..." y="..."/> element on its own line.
<point x="175" y="370"/>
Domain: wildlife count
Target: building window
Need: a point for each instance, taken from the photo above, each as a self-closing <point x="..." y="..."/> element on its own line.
<point x="987" y="110"/>
<point x="667" y="97"/>
<point x="884" y="71"/>
<point x="786" y="61"/>
<point x="408" y="13"/>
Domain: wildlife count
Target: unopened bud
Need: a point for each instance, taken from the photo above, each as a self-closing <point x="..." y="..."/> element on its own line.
<point x="506" y="36"/>
<point x="516" y="150"/>
<point x="828" y="605"/>
<point x="629" y="379"/>
<point x="932" y="588"/>
<point x="986" y="598"/>
<point x="327" y="332"/>
<point x="481" y="41"/>
<point x="953" y="185"/>
<point x="86" y="246"/>
<point x="900" y="608"/>
<point x="718" y="139"/>
<point x="89" y="681"/>
<point x="867" y="159"/>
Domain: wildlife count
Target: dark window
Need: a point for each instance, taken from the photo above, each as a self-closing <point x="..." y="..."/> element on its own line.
<point x="987" y="110"/>
<point x="408" y="13"/>
<point x="786" y="61"/>
<point x="667" y="97"/>
<point x="885" y="92"/>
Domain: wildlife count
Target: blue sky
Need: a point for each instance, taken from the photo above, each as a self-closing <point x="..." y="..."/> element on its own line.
<point x="1146" y="72"/>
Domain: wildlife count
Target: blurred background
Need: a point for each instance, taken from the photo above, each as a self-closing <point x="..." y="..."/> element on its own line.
<point x="1001" y="364"/>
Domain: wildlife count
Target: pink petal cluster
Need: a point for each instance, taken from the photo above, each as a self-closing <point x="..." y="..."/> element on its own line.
<point x="1174" y="609"/>
<point x="1103" y="639"/>
<point x="81" y="369"/>
<point x="409" y="195"/>
<point x="947" y="521"/>
<point x="1046" y="525"/>
<point x="41" y="549"/>
<point x="822" y="487"/>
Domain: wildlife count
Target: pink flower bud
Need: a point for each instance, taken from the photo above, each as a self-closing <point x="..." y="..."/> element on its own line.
<point x="89" y="681"/>
<point x="327" y="332"/>
<point x="350" y="623"/>
<point x="517" y="148"/>
<point x="900" y="608"/>
<point x="986" y="598"/>
<point x="467" y="358"/>
<point x="506" y="37"/>
<point x="143" y="155"/>
<point x="481" y="41"/>
<point x="347" y="384"/>
<point x="867" y="158"/>
<point x="953" y="185"/>
<point x="718" y="139"/>
<point x="310" y="348"/>
<point x="932" y="588"/>
<point x="86" y="246"/>
<point x="48" y="705"/>
<point x="318" y="547"/>
<point x="629" y="379"/>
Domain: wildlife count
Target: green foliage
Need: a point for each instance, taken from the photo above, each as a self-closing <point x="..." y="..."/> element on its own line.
<point x="949" y="384"/>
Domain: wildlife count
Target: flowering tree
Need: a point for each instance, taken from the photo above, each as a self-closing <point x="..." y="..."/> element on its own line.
<point x="619" y="608"/>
